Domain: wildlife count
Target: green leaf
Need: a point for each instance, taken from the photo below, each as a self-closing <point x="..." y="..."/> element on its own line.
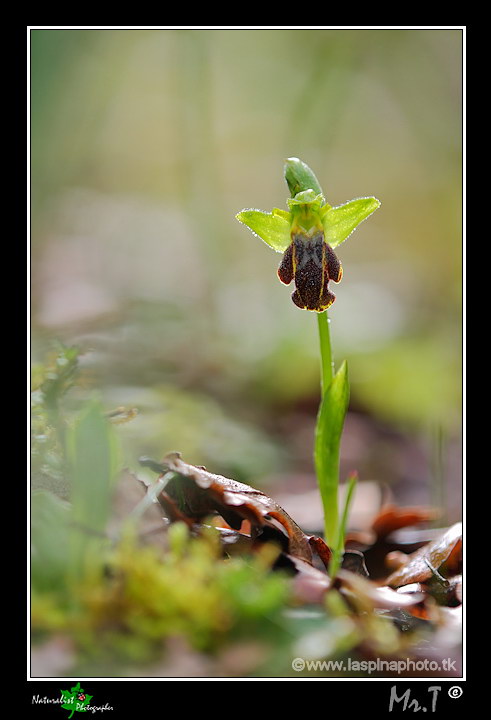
<point x="339" y="222"/>
<point x="329" y="428"/>
<point x="49" y="540"/>
<point x="273" y="228"/>
<point x="338" y="550"/>
<point x="93" y="458"/>
<point x="72" y="701"/>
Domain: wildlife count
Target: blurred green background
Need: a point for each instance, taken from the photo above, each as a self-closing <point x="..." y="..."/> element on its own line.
<point x="144" y="146"/>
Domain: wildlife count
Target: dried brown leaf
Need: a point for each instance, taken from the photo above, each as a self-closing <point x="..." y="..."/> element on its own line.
<point x="391" y="518"/>
<point x="383" y="538"/>
<point x="422" y="564"/>
<point x="366" y="595"/>
<point x="309" y="584"/>
<point x="195" y="493"/>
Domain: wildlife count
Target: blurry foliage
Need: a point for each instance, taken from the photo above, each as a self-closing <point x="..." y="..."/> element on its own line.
<point x="164" y="417"/>
<point x="147" y="597"/>
<point x="419" y="377"/>
<point x="50" y="382"/>
<point x="117" y="600"/>
<point x="121" y="604"/>
<point x="50" y="552"/>
<point x="94" y="462"/>
<point x="170" y="418"/>
<point x="74" y="456"/>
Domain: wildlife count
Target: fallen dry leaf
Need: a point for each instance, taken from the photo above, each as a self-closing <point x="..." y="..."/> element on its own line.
<point x="391" y="518"/>
<point x="366" y="595"/>
<point x="382" y="539"/>
<point x="354" y="561"/>
<point x="310" y="586"/>
<point x="448" y="593"/>
<point x="422" y="564"/>
<point x="193" y="493"/>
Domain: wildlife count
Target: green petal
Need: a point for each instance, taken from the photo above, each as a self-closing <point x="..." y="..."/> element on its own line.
<point x="273" y="228"/>
<point x="339" y="222"/>
<point x="307" y="197"/>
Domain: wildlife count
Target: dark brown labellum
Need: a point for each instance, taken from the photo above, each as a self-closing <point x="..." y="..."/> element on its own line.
<point x="311" y="262"/>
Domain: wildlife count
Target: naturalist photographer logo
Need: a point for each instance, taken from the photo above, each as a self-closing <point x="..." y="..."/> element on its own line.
<point x="74" y="700"/>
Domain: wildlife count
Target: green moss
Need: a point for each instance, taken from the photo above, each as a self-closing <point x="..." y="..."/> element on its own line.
<point x="147" y="596"/>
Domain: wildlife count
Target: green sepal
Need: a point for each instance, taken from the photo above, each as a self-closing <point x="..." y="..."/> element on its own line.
<point x="282" y="213"/>
<point x="339" y="222"/>
<point x="273" y="228"/>
<point x="299" y="177"/>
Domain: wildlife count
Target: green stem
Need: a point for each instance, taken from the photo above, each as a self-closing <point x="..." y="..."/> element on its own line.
<point x="327" y="434"/>
<point x="327" y="365"/>
<point x="328" y="490"/>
